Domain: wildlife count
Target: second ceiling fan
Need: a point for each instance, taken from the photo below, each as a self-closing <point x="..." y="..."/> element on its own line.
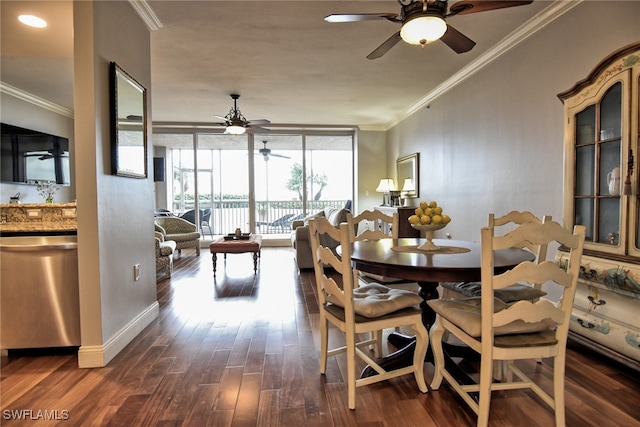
<point x="266" y="152"/>
<point x="423" y="22"/>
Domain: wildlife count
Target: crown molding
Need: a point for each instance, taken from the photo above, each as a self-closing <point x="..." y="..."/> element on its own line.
<point x="35" y="100"/>
<point x="146" y="13"/>
<point x="532" y="26"/>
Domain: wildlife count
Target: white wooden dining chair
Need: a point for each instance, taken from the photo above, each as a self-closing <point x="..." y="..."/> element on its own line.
<point x="368" y="225"/>
<point x="357" y="311"/>
<point x="525" y="329"/>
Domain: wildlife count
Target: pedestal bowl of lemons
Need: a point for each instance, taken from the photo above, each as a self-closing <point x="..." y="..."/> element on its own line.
<point x="428" y="217"/>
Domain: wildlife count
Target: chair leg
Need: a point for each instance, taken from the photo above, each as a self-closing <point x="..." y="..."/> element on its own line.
<point x="351" y="368"/>
<point x="169" y="266"/>
<point x="558" y="387"/>
<point x="324" y="344"/>
<point x="437" y="332"/>
<point x="486" y="379"/>
<point x="422" y="343"/>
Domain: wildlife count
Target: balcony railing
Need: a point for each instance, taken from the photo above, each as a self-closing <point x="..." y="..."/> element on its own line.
<point x="272" y="217"/>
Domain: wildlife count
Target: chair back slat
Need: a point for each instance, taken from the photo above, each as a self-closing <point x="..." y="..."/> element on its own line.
<point x="356" y="223"/>
<point x="516" y="218"/>
<point x="529" y="312"/>
<point x="532" y="273"/>
<point x="530" y="234"/>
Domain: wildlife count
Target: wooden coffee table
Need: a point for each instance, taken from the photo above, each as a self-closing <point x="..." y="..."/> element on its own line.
<point x="236" y="246"/>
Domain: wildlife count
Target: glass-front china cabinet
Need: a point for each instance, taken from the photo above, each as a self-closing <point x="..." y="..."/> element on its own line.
<point x="602" y="192"/>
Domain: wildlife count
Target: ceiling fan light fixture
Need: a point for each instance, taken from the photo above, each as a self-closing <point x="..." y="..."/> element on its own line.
<point x="423" y="29"/>
<point x="235" y="130"/>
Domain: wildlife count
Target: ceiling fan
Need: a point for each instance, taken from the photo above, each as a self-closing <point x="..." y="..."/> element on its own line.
<point x="266" y="152"/>
<point x="237" y="124"/>
<point x="423" y="22"/>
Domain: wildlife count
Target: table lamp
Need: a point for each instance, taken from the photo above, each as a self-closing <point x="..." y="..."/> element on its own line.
<point x="386" y="186"/>
<point x="408" y="190"/>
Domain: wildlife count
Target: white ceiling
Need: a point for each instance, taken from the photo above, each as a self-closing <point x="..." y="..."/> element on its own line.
<point x="286" y="62"/>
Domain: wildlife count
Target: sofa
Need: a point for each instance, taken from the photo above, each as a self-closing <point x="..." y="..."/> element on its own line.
<point x="181" y="231"/>
<point x="300" y="235"/>
<point x="164" y="253"/>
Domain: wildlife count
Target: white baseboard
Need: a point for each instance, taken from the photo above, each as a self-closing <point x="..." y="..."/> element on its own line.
<point x="98" y="356"/>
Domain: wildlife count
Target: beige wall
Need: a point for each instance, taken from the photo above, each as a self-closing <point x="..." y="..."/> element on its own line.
<point x="114" y="227"/>
<point x="494" y="143"/>
<point x="370" y="153"/>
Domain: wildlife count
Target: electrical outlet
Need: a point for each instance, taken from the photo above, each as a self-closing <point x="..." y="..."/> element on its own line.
<point x="136" y="272"/>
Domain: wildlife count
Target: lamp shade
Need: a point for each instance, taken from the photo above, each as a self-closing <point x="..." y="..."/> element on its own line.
<point x="386" y="185"/>
<point x="423" y="30"/>
<point x="408" y="185"/>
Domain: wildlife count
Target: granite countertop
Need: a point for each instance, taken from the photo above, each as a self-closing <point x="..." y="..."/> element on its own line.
<point x="38" y="217"/>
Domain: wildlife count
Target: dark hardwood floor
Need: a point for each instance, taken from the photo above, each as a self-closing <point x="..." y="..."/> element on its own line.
<point x="242" y="350"/>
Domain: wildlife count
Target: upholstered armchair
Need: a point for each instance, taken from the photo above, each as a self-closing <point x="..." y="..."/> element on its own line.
<point x="184" y="233"/>
<point x="164" y="253"/>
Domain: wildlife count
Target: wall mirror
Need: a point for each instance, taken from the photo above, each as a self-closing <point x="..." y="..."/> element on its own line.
<point x="128" y="101"/>
<point x="408" y="175"/>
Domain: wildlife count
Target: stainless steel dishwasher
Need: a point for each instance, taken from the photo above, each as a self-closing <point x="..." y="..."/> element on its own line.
<point x="39" y="299"/>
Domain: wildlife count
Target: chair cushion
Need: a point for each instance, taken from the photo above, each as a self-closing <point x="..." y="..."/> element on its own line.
<point x="375" y="300"/>
<point x="465" y="313"/>
<point x="515" y="292"/>
<point x="182" y="237"/>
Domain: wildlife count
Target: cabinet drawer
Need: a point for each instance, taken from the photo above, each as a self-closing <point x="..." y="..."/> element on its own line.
<point x="607" y="305"/>
<point x="609" y="333"/>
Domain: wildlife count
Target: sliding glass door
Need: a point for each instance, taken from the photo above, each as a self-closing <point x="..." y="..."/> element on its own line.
<point x="258" y="183"/>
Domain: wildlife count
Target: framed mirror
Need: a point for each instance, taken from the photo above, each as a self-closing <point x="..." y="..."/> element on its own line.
<point x="408" y="175"/>
<point x="128" y="102"/>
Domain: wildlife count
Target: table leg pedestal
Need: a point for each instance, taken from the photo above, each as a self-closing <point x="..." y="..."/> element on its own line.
<point x="214" y="260"/>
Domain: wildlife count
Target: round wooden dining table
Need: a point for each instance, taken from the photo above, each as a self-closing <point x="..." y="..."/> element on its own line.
<point x="454" y="261"/>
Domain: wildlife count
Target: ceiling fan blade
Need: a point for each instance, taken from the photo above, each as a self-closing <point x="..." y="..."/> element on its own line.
<point x="259" y="122"/>
<point x="280" y="155"/>
<point x="385" y="47"/>
<point x="457" y="41"/>
<point x="257" y="129"/>
<point x="224" y="119"/>
<point x="355" y="17"/>
<point x="475" y="6"/>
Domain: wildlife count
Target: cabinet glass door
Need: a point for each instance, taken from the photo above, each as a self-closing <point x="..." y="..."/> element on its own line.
<point x="597" y="191"/>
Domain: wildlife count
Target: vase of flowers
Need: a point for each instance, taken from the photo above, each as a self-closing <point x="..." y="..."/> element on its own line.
<point x="46" y="189"/>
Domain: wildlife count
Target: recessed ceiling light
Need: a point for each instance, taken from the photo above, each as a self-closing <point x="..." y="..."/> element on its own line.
<point x="32" y="21"/>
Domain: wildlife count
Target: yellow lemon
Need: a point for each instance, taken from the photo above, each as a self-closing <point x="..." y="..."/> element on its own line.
<point x="414" y="219"/>
<point x="437" y="210"/>
<point x="446" y="219"/>
<point x="419" y="212"/>
<point x="436" y="219"/>
<point x="428" y="211"/>
<point x="433" y="204"/>
<point x="425" y="219"/>
<point x="424" y="205"/>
